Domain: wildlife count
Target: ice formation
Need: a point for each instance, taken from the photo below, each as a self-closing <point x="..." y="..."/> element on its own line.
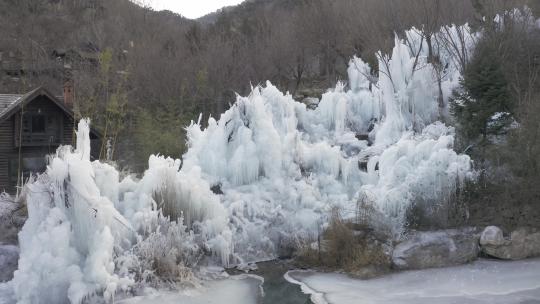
<point x="263" y="176"/>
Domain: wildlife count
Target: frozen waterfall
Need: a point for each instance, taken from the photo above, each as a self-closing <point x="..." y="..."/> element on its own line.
<point x="281" y="169"/>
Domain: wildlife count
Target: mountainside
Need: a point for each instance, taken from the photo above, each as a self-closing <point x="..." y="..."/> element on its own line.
<point x="364" y="137"/>
<point x="133" y="67"/>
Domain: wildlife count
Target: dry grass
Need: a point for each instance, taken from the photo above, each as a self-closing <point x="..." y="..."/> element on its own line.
<point x="347" y="245"/>
<point x="164" y="258"/>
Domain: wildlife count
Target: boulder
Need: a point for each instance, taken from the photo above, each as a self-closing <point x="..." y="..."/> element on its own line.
<point x="492" y="235"/>
<point x="523" y="243"/>
<point x="436" y="249"/>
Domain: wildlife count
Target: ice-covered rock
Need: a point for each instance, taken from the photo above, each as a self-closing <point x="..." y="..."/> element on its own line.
<point x="9" y="256"/>
<point x="523" y="243"/>
<point x="492" y="235"/>
<point x="436" y="249"/>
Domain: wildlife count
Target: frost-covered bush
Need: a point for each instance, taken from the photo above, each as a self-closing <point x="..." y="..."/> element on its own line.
<point x="162" y="257"/>
<point x="347" y="245"/>
<point x="182" y="194"/>
<point x="12" y="216"/>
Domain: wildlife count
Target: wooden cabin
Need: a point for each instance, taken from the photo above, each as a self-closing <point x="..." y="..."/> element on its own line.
<point x="33" y="126"/>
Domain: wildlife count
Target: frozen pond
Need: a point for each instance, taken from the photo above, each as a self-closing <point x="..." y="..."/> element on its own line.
<point x="483" y="282"/>
<point x="276" y="288"/>
<point x="240" y="289"/>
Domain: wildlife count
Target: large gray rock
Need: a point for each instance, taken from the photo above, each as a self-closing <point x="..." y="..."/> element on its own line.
<point x="437" y="249"/>
<point x="523" y="243"/>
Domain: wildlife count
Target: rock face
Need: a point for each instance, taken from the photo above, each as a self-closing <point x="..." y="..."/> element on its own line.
<point x="436" y="249"/>
<point x="523" y="243"/>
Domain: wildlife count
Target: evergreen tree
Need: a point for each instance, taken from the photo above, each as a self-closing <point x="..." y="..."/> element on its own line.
<point x="482" y="106"/>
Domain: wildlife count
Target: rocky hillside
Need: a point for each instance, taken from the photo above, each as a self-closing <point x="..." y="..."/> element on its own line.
<point x="134" y="68"/>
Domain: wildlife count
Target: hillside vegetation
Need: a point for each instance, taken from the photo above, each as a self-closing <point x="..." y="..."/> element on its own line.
<point x="141" y="75"/>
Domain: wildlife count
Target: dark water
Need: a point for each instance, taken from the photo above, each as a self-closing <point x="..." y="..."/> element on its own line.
<point x="276" y="289"/>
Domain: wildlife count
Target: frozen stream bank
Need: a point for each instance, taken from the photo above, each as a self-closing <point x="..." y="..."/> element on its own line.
<point x="264" y="285"/>
<point x="485" y="281"/>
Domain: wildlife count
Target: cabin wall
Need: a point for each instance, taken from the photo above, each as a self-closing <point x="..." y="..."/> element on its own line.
<point x="9" y="130"/>
<point x="9" y="154"/>
<point x="43" y="104"/>
<point x="6" y="149"/>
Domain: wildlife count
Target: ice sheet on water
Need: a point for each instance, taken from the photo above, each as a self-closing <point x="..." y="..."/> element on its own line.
<point x="482" y="282"/>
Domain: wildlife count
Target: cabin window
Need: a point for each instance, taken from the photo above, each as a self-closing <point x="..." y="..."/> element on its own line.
<point x="38" y="124"/>
<point x="38" y="129"/>
<point x="34" y="123"/>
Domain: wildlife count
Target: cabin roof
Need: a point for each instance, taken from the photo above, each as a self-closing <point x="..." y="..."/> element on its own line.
<point x="8" y="100"/>
<point x="11" y="103"/>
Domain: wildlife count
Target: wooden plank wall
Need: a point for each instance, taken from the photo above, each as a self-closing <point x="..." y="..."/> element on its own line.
<point x="7" y="142"/>
<point x="6" y="148"/>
